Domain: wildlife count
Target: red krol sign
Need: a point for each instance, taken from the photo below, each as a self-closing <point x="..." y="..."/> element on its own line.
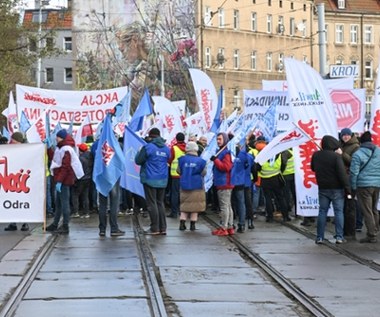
<point x="347" y="108"/>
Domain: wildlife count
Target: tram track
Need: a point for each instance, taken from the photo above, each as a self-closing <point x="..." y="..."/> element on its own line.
<point x="289" y="288"/>
<point x="18" y="293"/>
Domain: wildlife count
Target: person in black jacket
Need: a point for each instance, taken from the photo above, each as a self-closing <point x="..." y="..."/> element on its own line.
<point x="333" y="186"/>
<point x="80" y="190"/>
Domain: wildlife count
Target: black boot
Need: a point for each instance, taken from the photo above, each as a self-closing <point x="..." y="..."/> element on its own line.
<point x="51" y="228"/>
<point x="11" y="227"/>
<point x="182" y="225"/>
<point x="64" y="229"/>
<point x="192" y="225"/>
<point x="250" y="224"/>
<point x="241" y="228"/>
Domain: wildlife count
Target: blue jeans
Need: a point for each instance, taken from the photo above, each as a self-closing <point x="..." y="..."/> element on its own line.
<point x="238" y="203"/>
<point x="114" y="199"/>
<point x="326" y="197"/>
<point x="62" y="205"/>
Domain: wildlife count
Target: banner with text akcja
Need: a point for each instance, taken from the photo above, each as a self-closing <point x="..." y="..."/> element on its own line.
<point x="22" y="183"/>
<point x="66" y="105"/>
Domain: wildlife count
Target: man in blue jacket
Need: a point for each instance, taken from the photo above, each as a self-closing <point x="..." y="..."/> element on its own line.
<point x="153" y="159"/>
<point x="365" y="180"/>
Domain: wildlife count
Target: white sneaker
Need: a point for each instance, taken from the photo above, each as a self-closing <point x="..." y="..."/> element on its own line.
<point x="76" y="215"/>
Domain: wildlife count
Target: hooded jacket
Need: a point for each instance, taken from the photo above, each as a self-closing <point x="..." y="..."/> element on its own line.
<point x="349" y="148"/>
<point x="153" y="158"/>
<point x="329" y="167"/>
<point x="222" y="167"/>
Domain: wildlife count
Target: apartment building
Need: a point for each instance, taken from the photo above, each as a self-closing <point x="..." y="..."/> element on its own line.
<point x="353" y="38"/>
<point x="55" y="32"/>
<point x="244" y="42"/>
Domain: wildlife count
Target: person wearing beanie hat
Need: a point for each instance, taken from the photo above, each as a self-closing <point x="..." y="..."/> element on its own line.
<point x="191" y="169"/>
<point x="366" y="137"/>
<point x="222" y="181"/>
<point x="154" y="133"/>
<point x="83" y="147"/>
<point x="177" y="150"/>
<point x="365" y="180"/>
<point x="17" y="138"/>
<point x="62" y="134"/>
<point x="153" y="158"/>
<point x="353" y="219"/>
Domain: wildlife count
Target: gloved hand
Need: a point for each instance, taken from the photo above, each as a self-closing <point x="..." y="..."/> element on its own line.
<point x="213" y="158"/>
<point x="58" y="187"/>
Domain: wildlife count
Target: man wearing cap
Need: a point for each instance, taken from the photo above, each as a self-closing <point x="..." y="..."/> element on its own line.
<point x="17" y="138"/>
<point x="65" y="168"/>
<point x="176" y="151"/>
<point x="80" y="190"/>
<point x="365" y="180"/>
<point x="349" y="144"/>
<point x="153" y="158"/>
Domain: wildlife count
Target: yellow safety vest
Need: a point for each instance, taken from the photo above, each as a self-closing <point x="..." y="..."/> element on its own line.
<point x="270" y="168"/>
<point x="177" y="154"/>
<point x="289" y="165"/>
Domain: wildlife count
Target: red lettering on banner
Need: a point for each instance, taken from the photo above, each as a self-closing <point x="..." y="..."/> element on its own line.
<point x="99" y="99"/>
<point x="206" y="106"/>
<point x="107" y="153"/>
<point x="169" y="122"/>
<point x="376" y="128"/>
<point x="37" y="98"/>
<point x="40" y="126"/>
<point x="32" y="113"/>
<point x="306" y="151"/>
<point x="292" y="135"/>
<point x="13" y="182"/>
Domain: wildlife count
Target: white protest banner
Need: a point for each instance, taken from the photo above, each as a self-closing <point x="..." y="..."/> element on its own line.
<point x="22" y="183"/>
<point x="206" y="95"/>
<point x="65" y="106"/>
<point x="282" y="85"/>
<point x="349" y="106"/>
<point x="169" y="116"/>
<point x="313" y="112"/>
<point x="195" y="124"/>
<point x="257" y="102"/>
<point x="374" y="124"/>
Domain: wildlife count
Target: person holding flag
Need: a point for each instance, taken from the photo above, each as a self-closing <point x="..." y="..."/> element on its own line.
<point x="153" y="158"/>
<point x="222" y="181"/>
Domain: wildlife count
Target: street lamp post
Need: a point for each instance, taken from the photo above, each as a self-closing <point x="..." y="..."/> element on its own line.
<point x="39" y="44"/>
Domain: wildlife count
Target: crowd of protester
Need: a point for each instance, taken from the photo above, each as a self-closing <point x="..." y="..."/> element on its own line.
<point x="347" y="173"/>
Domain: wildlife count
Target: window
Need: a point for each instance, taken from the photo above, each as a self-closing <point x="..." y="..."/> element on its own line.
<point x="326" y="32"/>
<point x="68" y="75"/>
<point x="280" y="3"/>
<point x="36" y="16"/>
<point x="253" y="60"/>
<point x="368" y="31"/>
<point x="221" y="17"/>
<point x="207" y="57"/>
<point x="368" y="70"/>
<point x="269" y="23"/>
<point x="354" y="34"/>
<point x="32" y="45"/>
<point x="236" y="19"/>
<point x="341" y="4"/>
<point x="236" y="59"/>
<point x="291" y="6"/>
<point x="220" y="57"/>
<point x="236" y="100"/>
<point x="339" y="33"/>
<point x="304" y="23"/>
<point x="50" y="43"/>
<point x="269" y="62"/>
<point x="339" y="61"/>
<point x="49" y="75"/>
<point x="254" y="21"/>
<point x="304" y="59"/>
<point x="292" y="27"/>
<point x="280" y="66"/>
<point x="67" y="44"/>
<point x="207" y="17"/>
<point x="304" y="8"/>
<point x="280" y="27"/>
<point x="269" y="3"/>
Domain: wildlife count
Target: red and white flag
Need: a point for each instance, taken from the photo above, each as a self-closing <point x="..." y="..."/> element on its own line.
<point x="11" y="114"/>
<point x="374" y="124"/>
<point x="84" y="130"/>
<point x="281" y="142"/>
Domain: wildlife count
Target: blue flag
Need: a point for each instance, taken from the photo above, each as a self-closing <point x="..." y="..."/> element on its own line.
<point x="130" y="179"/>
<point x="216" y="124"/>
<point x="52" y="140"/>
<point x="24" y="123"/>
<point x="70" y="128"/>
<point x="109" y="161"/>
<point x="121" y="111"/>
<point x="267" y="124"/>
<point x="143" y="109"/>
<point x="209" y="151"/>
